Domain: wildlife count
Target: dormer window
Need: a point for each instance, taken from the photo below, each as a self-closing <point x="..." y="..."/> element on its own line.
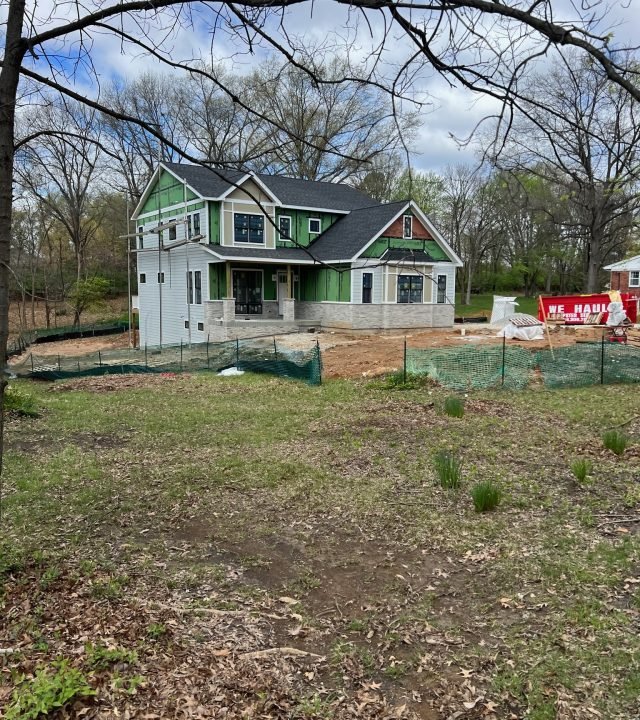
<point x="314" y="226"/>
<point x="407" y="227"/>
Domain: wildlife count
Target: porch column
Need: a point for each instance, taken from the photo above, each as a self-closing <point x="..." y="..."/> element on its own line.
<point x="228" y="310"/>
<point x="288" y="310"/>
<point x="229" y="291"/>
<point x="289" y="283"/>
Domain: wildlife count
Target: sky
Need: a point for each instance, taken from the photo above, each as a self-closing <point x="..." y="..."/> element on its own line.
<point x="450" y="113"/>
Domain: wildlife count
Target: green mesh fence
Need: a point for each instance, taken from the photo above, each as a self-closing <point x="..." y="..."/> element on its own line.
<point x="589" y="364"/>
<point x="473" y="368"/>
<point x="259" y="355"/>
<point x="30" y="337"/>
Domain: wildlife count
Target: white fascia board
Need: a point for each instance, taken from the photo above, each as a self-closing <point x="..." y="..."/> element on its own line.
<point x="145" y="194"/>
<point x="437" y="236"/>
<point x="377" y="235"/>
<point x="154" y="178"/>
<point x="257" y="181"/>
<point x="271" y="261"/>
<point x="315" y="209"/>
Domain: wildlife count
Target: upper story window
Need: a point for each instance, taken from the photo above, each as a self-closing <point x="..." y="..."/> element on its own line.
<point x="189" y="230"/>
<point x="173" y="234"/>
<point x="314" y="226"/>
<point x="248" y="228"/>
<point x="407" y="227"/>
<point x="284" y="227"/>
<point x="634" y="278"/>
<point x="196" y="223"/>
<point x="140" y="237"/>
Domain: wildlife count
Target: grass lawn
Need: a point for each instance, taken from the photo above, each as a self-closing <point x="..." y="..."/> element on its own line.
<point x="251" y="547"/>
<point x="482" y="304"/>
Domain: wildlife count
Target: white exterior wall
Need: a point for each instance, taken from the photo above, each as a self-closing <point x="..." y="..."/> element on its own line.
<point x="450" y="271"/>
<point x="356" y="283"/>
<point x="174" y="296"/>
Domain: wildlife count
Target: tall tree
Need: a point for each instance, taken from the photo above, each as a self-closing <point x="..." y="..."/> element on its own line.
<point x="584" y="139"/>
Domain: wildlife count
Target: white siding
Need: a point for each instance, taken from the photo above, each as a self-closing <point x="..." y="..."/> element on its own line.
<point x="449" y="270"/>
<point x="174" y="296"/>
<point x="356" y="283"/>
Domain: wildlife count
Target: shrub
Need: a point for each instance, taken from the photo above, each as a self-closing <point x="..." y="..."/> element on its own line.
<point x="615" y="441"/>
<point x="448" y="468"/>
<point x="486" y="496"/>
<point x="100" y="657"/>
<point x="581" y="468"/>
<point x="18" y="401"/>
<point x="454" y="406"/>
<point x="50" y="689"/>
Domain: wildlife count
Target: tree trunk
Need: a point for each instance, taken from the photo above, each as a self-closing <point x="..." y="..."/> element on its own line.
<point x="467" y="297"/>
<point x="594" y="252"/>
<point x="9" y="78"/>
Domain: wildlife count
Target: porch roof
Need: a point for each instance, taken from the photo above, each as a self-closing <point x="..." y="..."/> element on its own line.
<point x="407" y="256"/>
<point x="294" y="255"/>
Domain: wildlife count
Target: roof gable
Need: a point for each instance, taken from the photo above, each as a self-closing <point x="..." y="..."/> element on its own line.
<point x="632" y="263"/>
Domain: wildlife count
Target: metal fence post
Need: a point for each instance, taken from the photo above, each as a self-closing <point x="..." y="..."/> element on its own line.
<point x="319" y="361"/>
<point x="99" y="358"/>
<point x="237" y="351"/>
<point x="59" y="368"/>
<point x="602" y="362"/>
<point x="404" y="362"/>
<point x="207" y="350"/>
<point x="146" y="363"/>
<point x="180" y="354"/>
<point x="504" y="354"/>
<point x="32" y="368"/>
<point x="275" y="348"/>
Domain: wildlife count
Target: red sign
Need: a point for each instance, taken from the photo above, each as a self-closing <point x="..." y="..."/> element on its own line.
<point x="576" y="308"/>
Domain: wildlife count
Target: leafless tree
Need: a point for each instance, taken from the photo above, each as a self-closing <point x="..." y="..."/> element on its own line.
<point x="482" y="45"/>
<point x="585" y="142"/>
<point x="58" y="169"/>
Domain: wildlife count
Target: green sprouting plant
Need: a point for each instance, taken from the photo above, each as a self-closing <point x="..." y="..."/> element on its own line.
<point x="100" y="657"/>
<point x="486" y="496"/>
<point x="156" y="630"/>
<point x="454" y="406"/>
<point x="20" y="402"/>
<point x="448" y="469"/>
<point x="615" y="441"/>
<point x="128" y="685"/>
<point x="581" y="468"/>
<point x="49" y="576"/>
<point x="50" y="689"/>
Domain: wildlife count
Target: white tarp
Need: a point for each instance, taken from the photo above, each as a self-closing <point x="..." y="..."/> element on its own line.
<point x="502" y="308"/>
<point x="231" y="372"/>
<point x="531" y="332"/>
<point x="617" y="314"/>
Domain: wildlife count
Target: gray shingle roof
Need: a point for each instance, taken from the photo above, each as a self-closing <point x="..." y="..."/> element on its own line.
<point x="350" y="234"/>
<point x="203" y="180"/>
<point x="290" y="191"/>
<point x="292" y="254"/>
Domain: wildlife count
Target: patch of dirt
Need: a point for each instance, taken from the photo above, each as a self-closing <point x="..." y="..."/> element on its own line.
<point x="74" y="348"/>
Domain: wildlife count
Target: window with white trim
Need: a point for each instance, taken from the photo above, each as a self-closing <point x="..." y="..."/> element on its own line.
<point x="160" y="277"/>
<point x="407" y="227"/>
<point x="442" y="289"/>
<point x="173" y="232"/>
<point x="194" y="287"/>
<point x="140" y="237"/>
<point x="634" y="278"/>
<point x="248" y="228"/>
<point x="314" y="226"/>
<point x="143" y="278"/>
<point x="367" y="287"/>
<point x="196" y="223"/>
<point x="284" y="228"/>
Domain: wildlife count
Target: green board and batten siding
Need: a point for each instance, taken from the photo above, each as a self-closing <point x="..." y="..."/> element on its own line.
<point x="166" y="192"/>
<point x="325" y="284"/>
<point x="300" y="225"/>
<point x="218" y="279"/>
<point x="381" y="245"/>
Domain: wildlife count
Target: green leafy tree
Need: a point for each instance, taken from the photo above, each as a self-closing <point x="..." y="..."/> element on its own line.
<point x="88" y="294"/>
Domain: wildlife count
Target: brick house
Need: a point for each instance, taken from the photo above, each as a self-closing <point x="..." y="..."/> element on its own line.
<point x="625" y="275"/>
